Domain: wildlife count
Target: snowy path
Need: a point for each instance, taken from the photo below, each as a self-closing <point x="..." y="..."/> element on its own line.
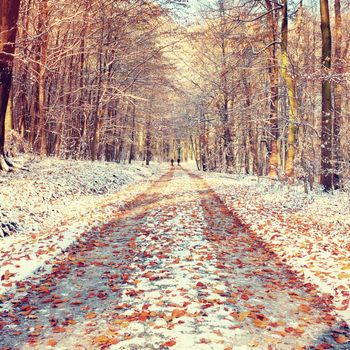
<point x="175" y="270"/>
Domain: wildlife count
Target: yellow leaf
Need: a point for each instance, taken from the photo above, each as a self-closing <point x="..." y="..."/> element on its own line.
<point x="90" y="315"/>
<point x="101" y="339"/>
<point x="259" y="323"/>
<point x="243" y="315"/>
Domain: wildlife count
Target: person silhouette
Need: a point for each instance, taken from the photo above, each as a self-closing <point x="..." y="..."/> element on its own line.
<point x="172" y="162"/>
<point x="178" y="161"/>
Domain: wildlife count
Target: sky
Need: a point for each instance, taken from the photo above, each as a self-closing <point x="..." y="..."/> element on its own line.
<point x="191" y="8"/>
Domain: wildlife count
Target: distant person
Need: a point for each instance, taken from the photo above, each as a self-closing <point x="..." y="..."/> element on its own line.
<point x="172" y="162"/>
<point x="178" y="161"/>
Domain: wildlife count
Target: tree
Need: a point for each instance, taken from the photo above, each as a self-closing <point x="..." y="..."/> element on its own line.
<point x="9" y="11"/>
<point x="290" y="84"/>
<point x="272" y="18"/>
<point x="339" y="71"/>
<point x="326" y="179"/>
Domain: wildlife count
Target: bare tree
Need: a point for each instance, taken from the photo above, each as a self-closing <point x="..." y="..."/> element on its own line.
<point x="9" y="10"/>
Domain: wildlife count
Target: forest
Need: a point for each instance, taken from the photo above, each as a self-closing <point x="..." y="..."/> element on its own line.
<point x="255" y="87"/>
<point x="174" y="174"/>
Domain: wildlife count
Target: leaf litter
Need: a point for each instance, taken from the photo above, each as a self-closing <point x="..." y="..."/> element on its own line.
<point x="174" y="269"/>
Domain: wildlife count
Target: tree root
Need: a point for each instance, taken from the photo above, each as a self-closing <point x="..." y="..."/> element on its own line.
<point x="7" y="166"/>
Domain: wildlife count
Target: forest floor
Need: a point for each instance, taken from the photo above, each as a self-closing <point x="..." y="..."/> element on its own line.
<point x="45" y="210"/>
<point x="189" y="263"/>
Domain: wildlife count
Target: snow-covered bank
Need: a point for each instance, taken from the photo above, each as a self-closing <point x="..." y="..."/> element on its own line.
<point x="55" y="203"/>
<point x="30" y="201"/>
<point x="310" y="233"/>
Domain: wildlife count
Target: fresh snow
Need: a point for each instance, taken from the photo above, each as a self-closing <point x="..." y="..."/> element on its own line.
<point x="228" y="262"/>
<point x="310" y="232"/>
<point x="55" y="203"/>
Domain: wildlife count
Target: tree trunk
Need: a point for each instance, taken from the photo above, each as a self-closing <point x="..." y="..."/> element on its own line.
<point x="339" y="70"/>
<point x="326" y="127"/>
<point x="290" y="84"/>
<point x="148" y="140"/>
<point x="9" y="10"/>
<point x="272" y="18"/>
<point x="133" y="134"/>
<point x="224" y="112"/>
<point x="44" y="37"/>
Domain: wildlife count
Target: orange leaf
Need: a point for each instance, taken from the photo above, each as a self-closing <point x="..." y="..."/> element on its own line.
<point x="52" y="342"/>
<point x="58" y="330"/>
<point x="341" y="339"/>
<point x="304" y="308"/>
<point x="90" y="315"/>
<point x="169" y="343"/>
<point x="178" y="313"/>
<point x="232" y="301"/>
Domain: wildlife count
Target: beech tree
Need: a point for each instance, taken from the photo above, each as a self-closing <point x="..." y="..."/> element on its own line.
<point x="340" y="54"/>
<point x="237" y="91"/>
<point x="291" y="91"/>
<point x="326" y="130"/>
<point x="272" y="18"/>
<point x="272" y="80"/>
<point x="9" y="11"/>
<point x="82" y="74"/>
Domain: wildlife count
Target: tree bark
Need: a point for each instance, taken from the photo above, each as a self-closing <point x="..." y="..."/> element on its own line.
<point x="44" y="40"/>
<point x="272" y="18"/>
<point x="326" y="126"/>
<point x="228" y="152"/>
<point x="8" y="28"/>
<point x="339" y="70"/>
<point x="148" y="139"/>
<point x="133" y="134"/>
<point x="290" y="84"/>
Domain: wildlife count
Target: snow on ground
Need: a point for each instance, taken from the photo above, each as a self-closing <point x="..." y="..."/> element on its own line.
<point x="309" y="232"/>
<point x="54" y="203"/>
<point x="32" y="200"/>
<point x="174" y="270"/>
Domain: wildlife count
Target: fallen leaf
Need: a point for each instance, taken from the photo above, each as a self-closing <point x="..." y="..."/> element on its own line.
<point x="304" y="308"/>
<point x="341" y="339"/>
<point x="101" y="339"/>
<point x="90" y="315"/>
<point x="169" y="343"/>
<point x="51" y="342"/>
<point x="243" y="315"/>
<point x="259" y="323"/>
<point x="245" y="297"/>
<point x="178" y="313"/>
<point x="58" y="330"/>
